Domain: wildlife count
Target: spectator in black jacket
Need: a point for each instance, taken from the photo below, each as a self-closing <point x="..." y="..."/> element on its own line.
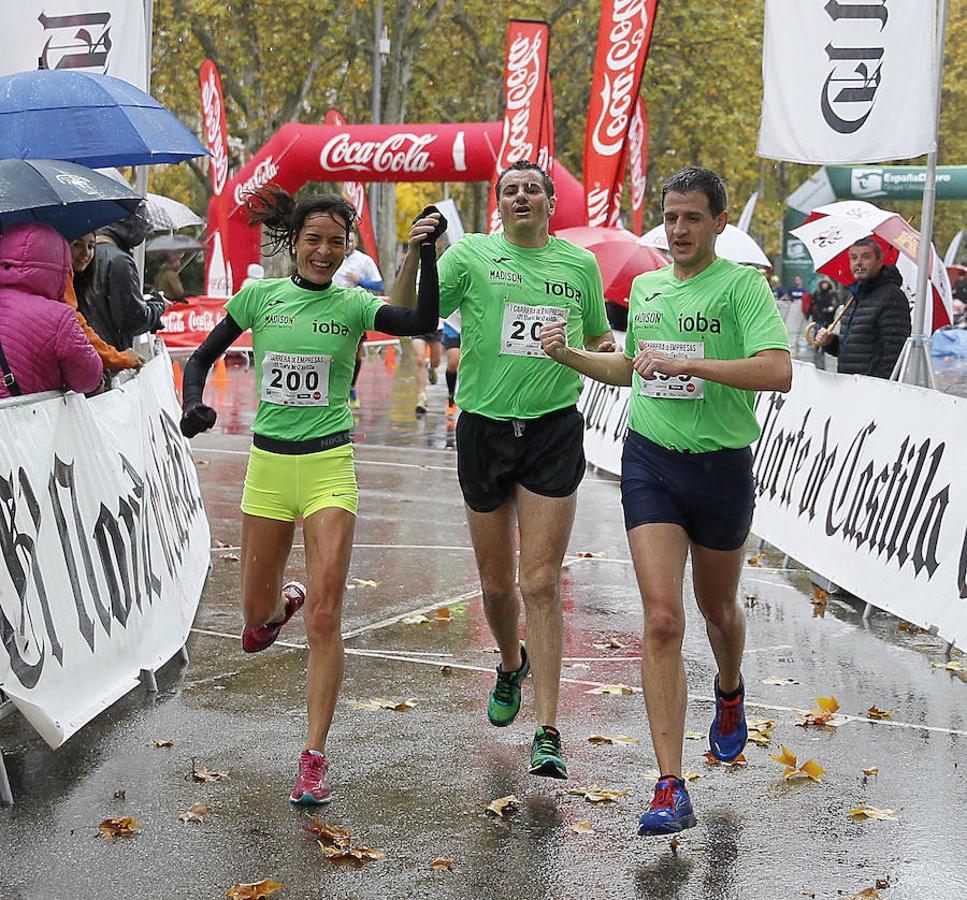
<point x="878" y="323"/>
<point x="822" y="309"/>
<point x="116" y="309"/>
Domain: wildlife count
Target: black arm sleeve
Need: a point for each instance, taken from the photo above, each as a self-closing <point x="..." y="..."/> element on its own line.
<point x="196" y="369"/>
<point x="423" y="319"/>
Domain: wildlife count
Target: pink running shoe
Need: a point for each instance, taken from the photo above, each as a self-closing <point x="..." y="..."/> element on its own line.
<point x="259" y="637"/>
<point x="311" y="787"/>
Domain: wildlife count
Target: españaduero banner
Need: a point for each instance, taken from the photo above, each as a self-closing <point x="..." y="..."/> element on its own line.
<point x="847" y="82"/>
<point x="104" y="546"/>
<point x="859" y="479"/>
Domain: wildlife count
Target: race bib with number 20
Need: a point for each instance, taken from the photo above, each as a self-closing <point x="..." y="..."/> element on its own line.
<point x="520" y="333"/>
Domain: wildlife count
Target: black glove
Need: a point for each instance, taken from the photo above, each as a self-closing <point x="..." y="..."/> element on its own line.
<point x="437" y="232"/>
<point x="197" y="418"/>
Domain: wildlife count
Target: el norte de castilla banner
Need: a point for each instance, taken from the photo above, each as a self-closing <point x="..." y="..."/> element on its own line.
<point x="104" y="546"/>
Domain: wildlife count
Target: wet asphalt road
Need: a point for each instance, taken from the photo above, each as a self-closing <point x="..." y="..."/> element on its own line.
<point x="416" y="784"/>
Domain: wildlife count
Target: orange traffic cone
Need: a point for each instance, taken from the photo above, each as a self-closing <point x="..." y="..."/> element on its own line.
<point x="176" y="374"/>
<point x="221" y="371"/>
<point x="390" y="355"/>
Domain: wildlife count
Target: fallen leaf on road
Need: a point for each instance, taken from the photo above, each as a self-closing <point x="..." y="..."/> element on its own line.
<point x="910" y="628"/>
<point x="812" y="770"/>
<point x="201" y="462"/>
<point x="365" y="582"/>
<point x="331" y="833"/>
<point x="216" y="543"/>
<point x="581" y="827"/>
<point x="356" y="854"/>
<point x="595" y="794"/>
<point x="952" y="666"/>
<point x="254" y="891"/>
<point x="615" y="739"/>
<point x="118" y="826"/>
<point x="231" y="557"/>
<point x="380" y="703"/>
<point x="694" y="736"/>
<point x="443" y="614"/>
<point x="417" y="619"/>
<point x="760" y="731"/>
<point x="622" y="689"/>
<point x="823" y="713"/>
<point x="780" y="682"/>
<point x="809" y="769"/>
<point x="870" y="893"/>
<point x="757" y="559"/>
<point x="446" y="670"/>
<point x="866" y="812"/>
<point x="713" y="760"/>
<point x="195" y="813"/>
<point x="442" y="864"/>
<point x="872" y="772"/>
<point x="610" y="644"/>
<point x="673" y="845"/>
<point x="164" y="743"/>
<point x="874" y="712"/>
<point x="590" y="554"/>
<point x="201" y="774"/>
<point x="502" y="805"/>
<point x="820" y="597"/>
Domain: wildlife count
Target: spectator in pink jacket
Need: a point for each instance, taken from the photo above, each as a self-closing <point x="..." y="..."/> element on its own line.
<point x="44" y="346"/>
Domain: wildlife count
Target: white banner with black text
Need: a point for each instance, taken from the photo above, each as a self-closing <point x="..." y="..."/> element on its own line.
<point x="104" y="547"/>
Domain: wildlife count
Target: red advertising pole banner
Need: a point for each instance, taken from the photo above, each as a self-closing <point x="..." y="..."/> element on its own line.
<point x="638" y="149"/>
<point x="525" y="78"/>
<point x="355" y="193"/>
<point x="218" y="271"/>
<point x="545" y="150"/>
<point x="623" y="39"/>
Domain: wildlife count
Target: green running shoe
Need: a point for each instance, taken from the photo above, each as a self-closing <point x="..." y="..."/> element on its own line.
<point x="503" y="704"/>
<point x="546" y="757"/>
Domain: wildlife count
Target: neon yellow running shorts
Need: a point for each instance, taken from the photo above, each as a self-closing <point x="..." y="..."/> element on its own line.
<point x="285" y="486"/>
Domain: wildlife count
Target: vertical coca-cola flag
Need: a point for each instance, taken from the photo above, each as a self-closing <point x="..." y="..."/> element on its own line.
<point x="545" y="149"/>
<point x="638" y="161"/>
<point x="355" y="193"/>
<point x="525" y="77"/>
<point x="623" y="38"/>
<point x="218" y="271"/>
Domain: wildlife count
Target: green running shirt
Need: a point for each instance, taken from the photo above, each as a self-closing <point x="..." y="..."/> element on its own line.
<point x="504" y="294"/>
<point x="726" y="311"/>
<point x="305" y="351"/>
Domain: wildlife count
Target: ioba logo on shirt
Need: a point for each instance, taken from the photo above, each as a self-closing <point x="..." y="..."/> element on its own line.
<point x="330" y="327"/>
<point x="498" y="275"/>
<point x="698" y="322"/>
<point x="559" y="289"/>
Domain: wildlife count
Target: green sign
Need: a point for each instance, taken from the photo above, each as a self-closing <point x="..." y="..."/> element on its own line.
<point x="795" y="257"/>
<point x="895" y="182"/>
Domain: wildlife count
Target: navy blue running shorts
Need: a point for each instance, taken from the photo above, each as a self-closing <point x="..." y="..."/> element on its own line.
<point x="711" y="495"/>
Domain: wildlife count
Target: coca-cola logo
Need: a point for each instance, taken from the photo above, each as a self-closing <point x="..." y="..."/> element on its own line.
<point x="625" y="41"/>
<point x="264" y="172"/>
<point x="400" y="152"/>
<point x="524" y="76"/>
<point x="598" y="200"/>
<point x="636" y="144"/>
<point x="211" y="103"/>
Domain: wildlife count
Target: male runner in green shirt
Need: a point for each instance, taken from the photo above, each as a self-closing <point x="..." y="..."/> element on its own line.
<point x="703" y="335"/>
<point x="520" y="451"/>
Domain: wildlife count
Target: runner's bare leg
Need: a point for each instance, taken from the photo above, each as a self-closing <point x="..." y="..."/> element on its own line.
<point x="265" y="552"/>
<point x="716" y="577"/>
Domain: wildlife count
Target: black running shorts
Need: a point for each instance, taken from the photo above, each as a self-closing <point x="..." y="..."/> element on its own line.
<point x="544" y="455"/>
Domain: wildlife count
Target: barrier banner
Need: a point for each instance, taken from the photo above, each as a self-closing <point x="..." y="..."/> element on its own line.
<point x="847" y="82"/>
<point x="186" y="325"/>
<point x="525" y="76"/>
<point x="860" y="479"/>
<point x="105" y="546"/>
<point x="624" y="35"/>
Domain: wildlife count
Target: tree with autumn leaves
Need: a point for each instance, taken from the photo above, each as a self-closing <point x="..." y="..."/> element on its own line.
<point x="283" y="61"/>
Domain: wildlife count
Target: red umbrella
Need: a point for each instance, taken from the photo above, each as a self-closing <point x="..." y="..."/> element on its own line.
<point x="620" y="257"/>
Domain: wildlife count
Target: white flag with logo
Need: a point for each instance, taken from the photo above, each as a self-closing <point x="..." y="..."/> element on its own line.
<point x="847" y="82"/>
<point x="102" y="36"/>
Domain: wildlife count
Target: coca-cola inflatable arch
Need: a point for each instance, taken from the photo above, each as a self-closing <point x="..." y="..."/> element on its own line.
<point x="298" y="153"/>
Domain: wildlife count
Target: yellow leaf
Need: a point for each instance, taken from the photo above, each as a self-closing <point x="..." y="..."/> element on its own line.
<point x="502" y="805"/>
<point x="581" y="827"/>
<point x="365" y="582"/>
<point x="690" y="776"/>
<point x="414" y="620"/>
<point x="786" y="757"/>
<point x="866" y="812"/>
<point x="254" y="891"/>
<point x="694" y="736"/>
<point x="366" y="853"/>
<point x="622" y="689"/>
<point x="616" y="739"/>
<point x="118" y="826"/>
<point x="827" y="704"/>
<point x="872" y="772"/>
<point x="812" y="770"/>
<point x="595" y="794"/>
<point x="952" y="666"/>
<point x="610" y="644"/>
<point x="713" y="760"/>
<point x="870" y="893"/>
<point x="195" y="813"/>
<point x="874" y="712"/>
<point x="442" y="864"/>
<point x="820" y="597"/>
<point x="673" y="845"/>
<point x="351" y="853"/>
<point x="757" y="559"/>
<point x="443" y="614"/>
<point x="164" y="743"/>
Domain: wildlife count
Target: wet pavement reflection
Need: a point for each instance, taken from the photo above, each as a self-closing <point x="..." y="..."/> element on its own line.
<point x="416" y="784"/>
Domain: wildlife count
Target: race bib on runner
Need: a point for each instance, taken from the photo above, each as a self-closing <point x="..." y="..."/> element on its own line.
<point x="675" y="387"/>
<point x="520" y="334"/>
<point x="291" y="379"/>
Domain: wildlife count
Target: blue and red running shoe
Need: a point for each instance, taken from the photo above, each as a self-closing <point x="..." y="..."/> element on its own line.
<point x="670" y="810"/>
<point x="728" y="733"/>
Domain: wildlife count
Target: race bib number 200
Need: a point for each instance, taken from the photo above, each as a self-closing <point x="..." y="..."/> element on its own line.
<point x="675" y="387"/>
<point x="520" y="334"/>
<point x="291" y="379"/>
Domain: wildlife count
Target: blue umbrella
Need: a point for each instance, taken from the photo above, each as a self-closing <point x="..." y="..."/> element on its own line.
<point x="81" y="117"/>
<point x="72" y="198"/>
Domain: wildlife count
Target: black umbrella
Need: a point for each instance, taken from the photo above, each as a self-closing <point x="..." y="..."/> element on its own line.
<point x="71" y="198"/>
<point x="173" y="243"/>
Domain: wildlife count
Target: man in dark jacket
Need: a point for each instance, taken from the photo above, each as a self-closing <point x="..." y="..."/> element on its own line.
<point x="878" y="324"/>
<point x="116" y="310"/>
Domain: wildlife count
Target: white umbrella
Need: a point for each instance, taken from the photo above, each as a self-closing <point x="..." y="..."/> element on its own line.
<point x="165" y="214"/>
<point x="731" y="244"/>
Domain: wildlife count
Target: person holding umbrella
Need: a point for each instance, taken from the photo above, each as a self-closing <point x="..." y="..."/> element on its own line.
<point x="877" y="325"/>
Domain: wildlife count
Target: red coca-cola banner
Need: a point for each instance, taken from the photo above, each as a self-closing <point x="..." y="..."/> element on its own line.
<point x="186" y="325"/>
<point x="525" y="86"/>
<point x="216" y="139"/>
<point x="545" y="151"/>
<point x="355" y="193"/>
<point x="623" y="38"/>
<point x="638" y="149"/>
